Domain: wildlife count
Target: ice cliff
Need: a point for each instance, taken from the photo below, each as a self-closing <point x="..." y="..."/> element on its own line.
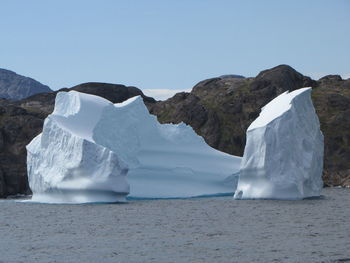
<point x="283" y="156"/>
<point x="91" y="150"/>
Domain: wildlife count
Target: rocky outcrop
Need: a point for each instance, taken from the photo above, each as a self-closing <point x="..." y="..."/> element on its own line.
<point x="332" y="102"/>
<point x="44" y="103"/>
<point x="21" y="121"/>
<point x="17" y="128"/>
<point x="15" y="87"/>
<point x="221" y="109"/>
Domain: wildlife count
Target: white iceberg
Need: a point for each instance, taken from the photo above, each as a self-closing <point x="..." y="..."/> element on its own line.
<point x="64" y="162"/>
<point x="91" y="150"/>
<point x="283" y="156"/>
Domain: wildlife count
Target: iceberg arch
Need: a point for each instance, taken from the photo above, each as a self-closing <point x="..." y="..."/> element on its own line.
<point x="91" y="150"/>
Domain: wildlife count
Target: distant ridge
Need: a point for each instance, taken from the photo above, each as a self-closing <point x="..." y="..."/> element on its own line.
<point x="233" y="76"/>
<point x="14" y="86"/>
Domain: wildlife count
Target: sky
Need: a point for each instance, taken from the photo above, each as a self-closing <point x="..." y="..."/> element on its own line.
<point x="171" y="45"/>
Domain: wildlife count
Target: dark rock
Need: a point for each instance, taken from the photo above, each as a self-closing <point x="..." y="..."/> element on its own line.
<point x="1" y="141"/>
<point x="113" y="92"/>
<point x="231" y="76"/>
<point x="187" y="110"/>
<point x="12" y="110"/>
<point x="338" y="101"/>
<point x="332" y="102"/>
<point x="282" y="78"/>
<point x="43" y="104"/>
<point x="14" y="86"/>
<point x="330" y="78"/>
<point x="2" y="185"/>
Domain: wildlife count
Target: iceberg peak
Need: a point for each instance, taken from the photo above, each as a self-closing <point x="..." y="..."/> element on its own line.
<point x="276" y="108"/>
<point x="283" y="156"/>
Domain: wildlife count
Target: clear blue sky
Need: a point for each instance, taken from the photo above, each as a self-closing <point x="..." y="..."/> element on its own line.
<point x="170" y="44"/>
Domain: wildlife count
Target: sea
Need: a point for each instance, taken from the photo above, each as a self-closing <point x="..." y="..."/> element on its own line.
<point x="212" y="229"/>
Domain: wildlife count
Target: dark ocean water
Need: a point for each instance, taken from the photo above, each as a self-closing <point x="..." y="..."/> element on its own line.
<point x="194" y="230"/>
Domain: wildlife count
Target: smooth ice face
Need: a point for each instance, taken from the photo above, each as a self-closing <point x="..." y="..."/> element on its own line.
<point x="88" y="146"/>
<point x="283" y="156"/>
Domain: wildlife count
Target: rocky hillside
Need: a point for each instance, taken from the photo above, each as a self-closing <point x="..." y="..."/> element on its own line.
<point x="21" y="121"/>
<point x="331" y="98"/>
<point x="15" y="87"/>
<point x="221" y="109"/>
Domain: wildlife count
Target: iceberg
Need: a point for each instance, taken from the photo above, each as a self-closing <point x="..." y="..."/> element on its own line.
<point x="92" y="150"/>
<point x="283" y="156"/>
<point x="64" y="162"/>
